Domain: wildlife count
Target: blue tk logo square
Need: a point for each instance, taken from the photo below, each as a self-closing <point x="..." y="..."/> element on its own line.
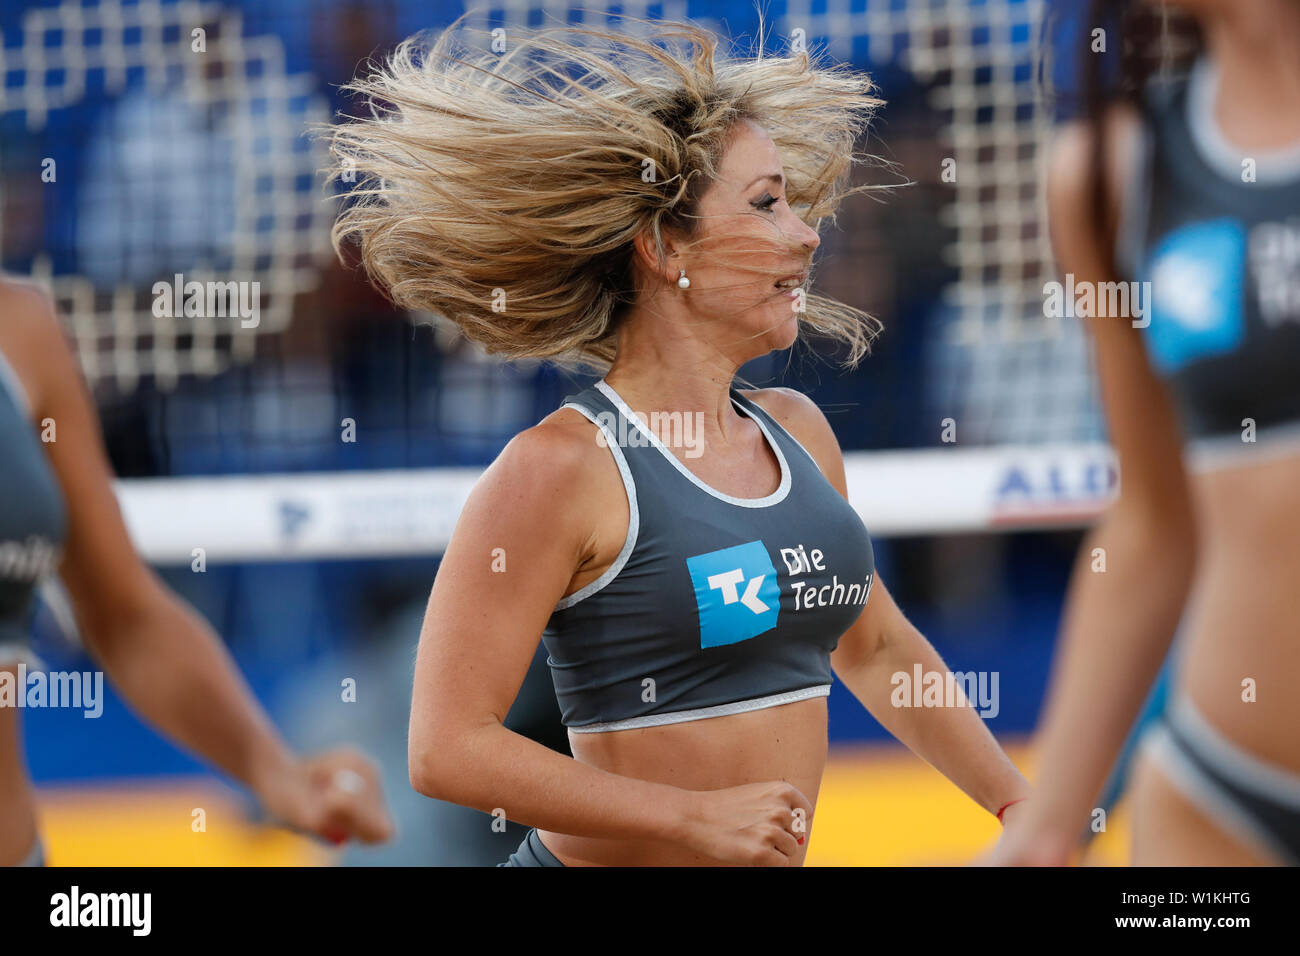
<point x="1197" y="276"/>
<point x="736" y="593"/>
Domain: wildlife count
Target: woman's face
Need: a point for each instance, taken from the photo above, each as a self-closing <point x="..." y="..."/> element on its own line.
<point x="748" y="240"/>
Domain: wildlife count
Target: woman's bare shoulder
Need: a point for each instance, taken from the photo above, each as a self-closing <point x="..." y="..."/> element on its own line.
<point x="560" y="462"/>
<point x="28" y="312"/>
<point x="31" y="339"/>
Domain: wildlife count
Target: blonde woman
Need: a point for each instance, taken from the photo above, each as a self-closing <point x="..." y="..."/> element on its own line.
<point x="649" y="207"/>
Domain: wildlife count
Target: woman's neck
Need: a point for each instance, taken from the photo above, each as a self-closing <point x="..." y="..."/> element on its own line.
<point x="1256" y="52"/>
<point x="665" y="373"/>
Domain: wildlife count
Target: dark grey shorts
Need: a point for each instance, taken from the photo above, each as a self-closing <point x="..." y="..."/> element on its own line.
<point x="1256" y="801"/>
<point x="532" y="852"/>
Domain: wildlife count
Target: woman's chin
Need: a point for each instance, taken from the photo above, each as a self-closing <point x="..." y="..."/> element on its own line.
<point x="778" y="334"/>
<point x="785" y="334"/>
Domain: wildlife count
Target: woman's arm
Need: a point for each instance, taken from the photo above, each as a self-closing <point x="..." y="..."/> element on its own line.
<point x="954" y="740"/>
<point x="1118" y="624"/>
<point x="527" y="528"/>
<point x="882" y="643"/>
<point x="162" y="656"/>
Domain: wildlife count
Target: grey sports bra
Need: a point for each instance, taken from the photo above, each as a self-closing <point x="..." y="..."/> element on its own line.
<point x="31" y="516"/>
<point x="715" y="605"/>
<point x="1217" y="234"/>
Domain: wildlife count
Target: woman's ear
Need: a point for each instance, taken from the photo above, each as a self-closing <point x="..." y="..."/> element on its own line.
<point x="650" y="256"/>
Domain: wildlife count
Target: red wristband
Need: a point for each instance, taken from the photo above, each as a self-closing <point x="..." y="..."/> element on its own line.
<point x="1003" y="808"/>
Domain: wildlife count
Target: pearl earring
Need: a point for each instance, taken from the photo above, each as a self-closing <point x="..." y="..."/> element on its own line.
<point x="682" y="281"/>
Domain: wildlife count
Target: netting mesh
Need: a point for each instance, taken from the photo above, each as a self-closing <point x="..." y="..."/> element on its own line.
<point x="997" y="365"/>
<point x="195" y="161"/>
<point x="198" y="163"/>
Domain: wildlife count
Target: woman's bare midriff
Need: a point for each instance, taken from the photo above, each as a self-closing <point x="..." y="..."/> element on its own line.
<point x="786" y="743"/>
<point x="1242" y="625"/>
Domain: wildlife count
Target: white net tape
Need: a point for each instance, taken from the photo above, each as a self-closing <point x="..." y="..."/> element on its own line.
<point x="413" y="512"/>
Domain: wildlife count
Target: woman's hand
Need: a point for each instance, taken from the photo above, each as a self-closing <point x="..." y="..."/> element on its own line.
<point x="334" y="795"/>
<point x="759" y="824"/>
<point x="1026" y="842"/>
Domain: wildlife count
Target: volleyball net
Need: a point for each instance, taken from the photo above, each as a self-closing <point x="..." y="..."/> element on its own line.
<point x="393" y="513"/>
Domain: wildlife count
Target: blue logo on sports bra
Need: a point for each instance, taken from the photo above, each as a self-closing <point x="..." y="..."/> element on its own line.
<point x="1196" y="274"/>
<point x="736" y="593"/>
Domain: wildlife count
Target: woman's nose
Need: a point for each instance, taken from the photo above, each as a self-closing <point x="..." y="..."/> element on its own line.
<point x="804" y="234"/>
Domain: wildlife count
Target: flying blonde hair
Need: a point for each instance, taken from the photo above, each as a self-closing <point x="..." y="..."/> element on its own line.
<point x="523" y="176"/>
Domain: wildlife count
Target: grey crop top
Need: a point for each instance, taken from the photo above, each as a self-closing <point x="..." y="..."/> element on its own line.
<point x="1216" y="233"/>
<point x="716" y="605"/>
<point x="32" y="517"/>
